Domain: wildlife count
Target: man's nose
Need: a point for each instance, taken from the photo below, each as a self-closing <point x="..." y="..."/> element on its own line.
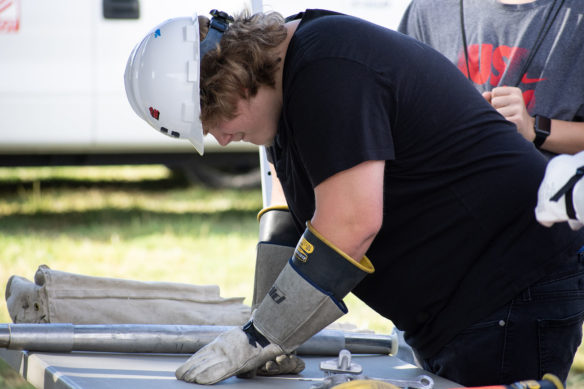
<point x="223" y="139"/>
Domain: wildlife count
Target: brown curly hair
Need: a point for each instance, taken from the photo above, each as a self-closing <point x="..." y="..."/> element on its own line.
<point x="244" y="61"/>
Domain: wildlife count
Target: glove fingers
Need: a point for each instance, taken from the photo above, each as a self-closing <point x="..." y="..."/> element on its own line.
<point x="198" y="362"/>
<point x="268" y="369"/>
<point x="208" y="372"/>
<point x="300" y="365"/>
<point x="185" y="367"/>
<point x="229" y="354"/>
<point x="282" y="364"/>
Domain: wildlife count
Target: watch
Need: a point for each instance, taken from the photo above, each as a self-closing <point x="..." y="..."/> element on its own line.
<point x="542" y="128"/>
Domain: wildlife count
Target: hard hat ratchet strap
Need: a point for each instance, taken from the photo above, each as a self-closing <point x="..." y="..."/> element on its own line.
<point x="219" y="24"/>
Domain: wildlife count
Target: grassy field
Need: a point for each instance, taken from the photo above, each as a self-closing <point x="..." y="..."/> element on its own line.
<point x="138" y="223"/>
<point x="132" y="222"/>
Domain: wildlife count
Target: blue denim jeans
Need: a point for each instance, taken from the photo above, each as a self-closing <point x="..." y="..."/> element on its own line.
<point x="538" y="332"/>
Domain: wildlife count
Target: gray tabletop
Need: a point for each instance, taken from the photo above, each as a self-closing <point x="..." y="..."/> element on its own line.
<point x="95" y="370"/>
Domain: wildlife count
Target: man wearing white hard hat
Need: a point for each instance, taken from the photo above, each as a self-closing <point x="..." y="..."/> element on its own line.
<point x="400" y="184"/>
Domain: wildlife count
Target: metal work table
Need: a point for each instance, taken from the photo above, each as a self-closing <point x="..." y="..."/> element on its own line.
<point x="97" y="370"/>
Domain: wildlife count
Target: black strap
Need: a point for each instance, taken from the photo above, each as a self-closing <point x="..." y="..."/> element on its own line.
<point x="540" y="38"/>
<point x="254" y="337"/>
<point x="567" y="190"/>
<point x="217" y="27"/>
<point x="464" y="42"/>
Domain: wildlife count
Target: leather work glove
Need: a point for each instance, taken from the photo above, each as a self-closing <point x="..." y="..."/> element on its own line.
<point x="277" y="238"/>
<point x="561" y="194"/>
<point x="305" y="298"/>
<point x="231" y="353"/>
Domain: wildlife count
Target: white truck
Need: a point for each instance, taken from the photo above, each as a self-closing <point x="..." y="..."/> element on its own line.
<point x="62" y="99"/>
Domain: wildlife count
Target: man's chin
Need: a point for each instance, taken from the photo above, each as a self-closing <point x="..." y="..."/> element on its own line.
<point x="268" y="143"/>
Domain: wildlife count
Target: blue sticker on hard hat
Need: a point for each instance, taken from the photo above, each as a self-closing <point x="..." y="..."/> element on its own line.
<point x="157" y="33"/>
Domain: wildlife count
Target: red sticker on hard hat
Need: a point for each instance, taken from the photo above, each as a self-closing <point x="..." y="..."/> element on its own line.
<point x="154" y="113"/>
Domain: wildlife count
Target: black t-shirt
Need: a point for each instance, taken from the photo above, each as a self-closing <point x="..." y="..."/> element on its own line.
<point x="459" y="237"/>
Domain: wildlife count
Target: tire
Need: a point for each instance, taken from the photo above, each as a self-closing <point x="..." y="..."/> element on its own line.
<point x="224" y="171"/>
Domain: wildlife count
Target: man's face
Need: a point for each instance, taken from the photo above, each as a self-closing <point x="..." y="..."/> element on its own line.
<point x="256" y="121"/>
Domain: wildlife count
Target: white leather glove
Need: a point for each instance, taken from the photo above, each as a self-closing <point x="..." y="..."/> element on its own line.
<point x="560" y="170"/>
<point x="305" y="298"/>
<point x="229" y="354"/>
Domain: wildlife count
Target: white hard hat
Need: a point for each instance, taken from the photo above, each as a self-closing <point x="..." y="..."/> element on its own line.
<point x="162" y="79"/>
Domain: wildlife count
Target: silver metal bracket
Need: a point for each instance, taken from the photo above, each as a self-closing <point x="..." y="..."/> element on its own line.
<point x="341" y="365"/>
<point x="342" y="369"/>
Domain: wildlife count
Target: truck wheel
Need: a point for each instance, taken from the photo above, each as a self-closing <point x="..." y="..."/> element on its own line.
<point x="222" y="178"/>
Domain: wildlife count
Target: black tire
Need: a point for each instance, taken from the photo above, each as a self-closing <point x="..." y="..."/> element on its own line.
<point x="239" y="170"/>
<point x="216" y="177"/>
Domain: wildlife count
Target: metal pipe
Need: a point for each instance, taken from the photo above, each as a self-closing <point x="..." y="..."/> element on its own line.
<point x="172" y="339"/>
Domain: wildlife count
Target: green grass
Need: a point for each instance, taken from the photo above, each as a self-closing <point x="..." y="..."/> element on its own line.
<point x="138" y="223"/>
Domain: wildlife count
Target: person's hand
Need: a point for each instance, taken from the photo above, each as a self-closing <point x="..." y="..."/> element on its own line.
<point x="282" y="364"/>
<point x="508" y="101"/>
<point x="558" y="173"/>
<point x="229" y="354"/>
